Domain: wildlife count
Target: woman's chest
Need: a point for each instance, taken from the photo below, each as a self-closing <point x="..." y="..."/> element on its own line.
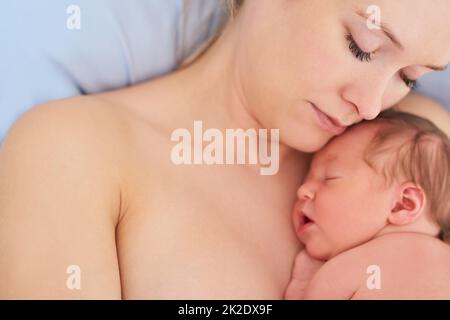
<point x="195" y="232"/>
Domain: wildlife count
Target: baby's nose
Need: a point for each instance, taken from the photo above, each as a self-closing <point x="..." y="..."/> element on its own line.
<point x="305" y="193"/>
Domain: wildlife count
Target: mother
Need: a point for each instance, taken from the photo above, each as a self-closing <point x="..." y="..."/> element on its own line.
<point x="88" y="181"/>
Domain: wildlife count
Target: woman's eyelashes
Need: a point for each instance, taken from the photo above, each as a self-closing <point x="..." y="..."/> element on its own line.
<point x="357" y="51"/>
<point x="363" y="56"/>
<point x="412" y="84"/>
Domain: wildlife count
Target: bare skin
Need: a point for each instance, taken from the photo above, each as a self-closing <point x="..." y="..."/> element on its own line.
<point x="151" y="222"/>
<point x="392" y="231"/>
<point x="150" y="216"/>
<point x="88" y="181"/>
<point x="415" y="104"/>
<point x="215" y="229"/>
<point x="403" y="259"/>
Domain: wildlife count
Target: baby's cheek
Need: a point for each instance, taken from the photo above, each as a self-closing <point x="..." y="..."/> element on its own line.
<point x="341" y="232"/>
<point x="320" y="248"/>
<point x="339" y="221"/>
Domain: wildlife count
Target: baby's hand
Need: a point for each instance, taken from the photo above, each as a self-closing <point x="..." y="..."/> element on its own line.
<point x="305" y="267"/>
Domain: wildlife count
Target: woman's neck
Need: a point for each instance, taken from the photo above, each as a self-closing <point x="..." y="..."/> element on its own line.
<point x="211" y="88"/>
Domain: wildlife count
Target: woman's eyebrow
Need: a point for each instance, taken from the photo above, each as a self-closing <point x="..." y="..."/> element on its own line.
<point x="437" y="68"/>
<point x="386" y="30"/>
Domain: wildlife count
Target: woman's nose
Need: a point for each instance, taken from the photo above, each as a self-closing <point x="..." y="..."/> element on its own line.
<point x="366" y="97"/>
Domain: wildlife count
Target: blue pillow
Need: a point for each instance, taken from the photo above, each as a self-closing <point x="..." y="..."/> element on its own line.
<point x="44" y="56"/>
<point x="437" y="86"/>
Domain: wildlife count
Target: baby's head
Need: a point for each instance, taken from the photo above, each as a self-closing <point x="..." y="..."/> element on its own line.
<point x="391" y="174"/>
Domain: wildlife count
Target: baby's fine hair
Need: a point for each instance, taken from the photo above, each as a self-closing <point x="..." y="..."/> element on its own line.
<point x="413" y="149"/>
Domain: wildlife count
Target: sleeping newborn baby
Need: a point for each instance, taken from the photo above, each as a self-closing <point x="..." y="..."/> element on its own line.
<point x="374" y="214"/>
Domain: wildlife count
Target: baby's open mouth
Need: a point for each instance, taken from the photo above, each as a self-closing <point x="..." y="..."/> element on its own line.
<point x="302" y="221"/>
<point x="306" y="220"/>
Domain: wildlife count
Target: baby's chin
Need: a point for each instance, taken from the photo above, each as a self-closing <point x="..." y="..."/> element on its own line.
<point x="323" y="253"/>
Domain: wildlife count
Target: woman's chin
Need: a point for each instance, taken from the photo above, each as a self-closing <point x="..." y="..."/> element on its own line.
<point x="309" y="142"/>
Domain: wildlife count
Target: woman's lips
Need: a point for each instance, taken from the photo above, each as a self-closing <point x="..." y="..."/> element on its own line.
<point x="327" y="123"/>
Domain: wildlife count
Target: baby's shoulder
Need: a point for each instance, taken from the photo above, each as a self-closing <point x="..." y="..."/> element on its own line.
<point x="398" y="247"/>
<point x="408" y="266"/>
<point x="395" y="252"/>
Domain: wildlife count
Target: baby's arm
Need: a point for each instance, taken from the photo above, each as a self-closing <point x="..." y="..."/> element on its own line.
<point x="334" y="280"/>
<point x="339" y="278"/>
<point x="344" y="275"/>
<point x="305" y="267"/>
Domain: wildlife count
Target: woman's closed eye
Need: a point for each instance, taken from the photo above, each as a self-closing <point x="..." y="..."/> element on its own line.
<point x="412" y="84"/>
<point x="359" y="54"/>
<point x="364" y="56"/>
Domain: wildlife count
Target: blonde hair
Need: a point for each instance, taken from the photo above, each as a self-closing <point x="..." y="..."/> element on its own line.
<point x="414" y="149"/>
<point x="234" y="6"/>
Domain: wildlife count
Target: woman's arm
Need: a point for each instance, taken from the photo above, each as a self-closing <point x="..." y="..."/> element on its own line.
<point x="59" y="200"/>
<point x="426" y="108"/>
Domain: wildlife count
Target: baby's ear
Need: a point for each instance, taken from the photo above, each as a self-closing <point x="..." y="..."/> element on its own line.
<point x="409" y="205"/>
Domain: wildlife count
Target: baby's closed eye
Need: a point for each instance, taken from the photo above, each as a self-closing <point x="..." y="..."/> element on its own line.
<point x="329" y="178"/>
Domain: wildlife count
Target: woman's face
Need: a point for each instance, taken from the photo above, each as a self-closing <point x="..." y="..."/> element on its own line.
<point x="301" y="62"/>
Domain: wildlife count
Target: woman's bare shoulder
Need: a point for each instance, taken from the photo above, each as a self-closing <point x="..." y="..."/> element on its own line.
<point x="80" y="136"/>
<point x="61" y="189"/>
<point x="81" y="112"/>
<point x="427" y="108"/>
<point x="84" y="122"/>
